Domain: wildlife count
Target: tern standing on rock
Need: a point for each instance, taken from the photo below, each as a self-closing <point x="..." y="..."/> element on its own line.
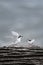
<point x="17" y="35"/>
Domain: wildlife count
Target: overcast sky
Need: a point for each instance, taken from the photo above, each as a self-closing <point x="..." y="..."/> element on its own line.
<point x="23" y="16"/>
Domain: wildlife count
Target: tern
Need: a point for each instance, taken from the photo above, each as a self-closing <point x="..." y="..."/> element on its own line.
<point x="31" y="41"/>
<point x="18" y="39"/>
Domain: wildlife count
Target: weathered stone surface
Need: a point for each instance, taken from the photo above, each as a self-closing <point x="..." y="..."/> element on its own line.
<point x="21" y="56"/>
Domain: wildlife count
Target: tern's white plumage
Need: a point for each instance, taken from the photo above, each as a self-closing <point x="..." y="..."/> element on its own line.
<point x="17" y="35"/>
<point x="31" y="41"/>
<point x="14" y="33"/>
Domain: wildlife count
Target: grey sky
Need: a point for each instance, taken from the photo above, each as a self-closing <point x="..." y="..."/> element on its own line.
<point x="23" y="16"/>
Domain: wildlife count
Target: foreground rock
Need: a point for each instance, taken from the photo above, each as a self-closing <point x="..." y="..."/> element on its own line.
<point x="21" y="55"/>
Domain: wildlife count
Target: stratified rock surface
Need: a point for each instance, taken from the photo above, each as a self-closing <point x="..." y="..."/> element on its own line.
<point x="21" y="55"/>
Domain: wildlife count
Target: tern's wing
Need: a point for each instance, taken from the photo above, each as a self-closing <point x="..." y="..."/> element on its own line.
<point x="32" y="41"/>
<point x="14" y="33"/>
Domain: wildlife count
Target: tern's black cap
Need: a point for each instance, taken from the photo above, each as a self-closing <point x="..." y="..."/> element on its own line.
<point x="29" y="40"/>
<point x="20" y="36"/>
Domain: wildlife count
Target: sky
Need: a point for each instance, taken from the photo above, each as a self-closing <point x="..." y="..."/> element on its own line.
<point x="22" y="16"/>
